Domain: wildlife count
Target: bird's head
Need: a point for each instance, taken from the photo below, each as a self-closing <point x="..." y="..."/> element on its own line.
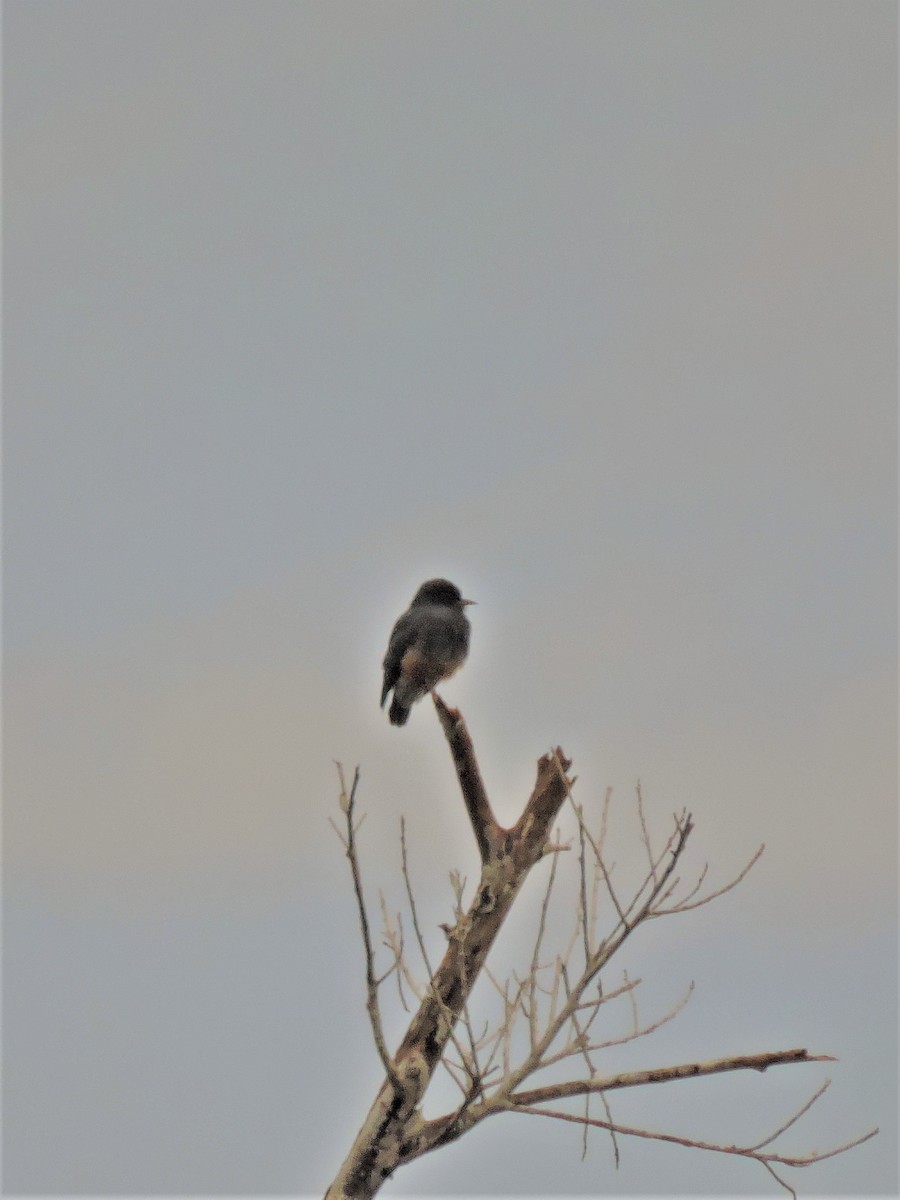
<point x="440" y="591"/>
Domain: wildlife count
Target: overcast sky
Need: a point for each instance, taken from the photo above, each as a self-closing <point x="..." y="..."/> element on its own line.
<point x="589" y="306"/>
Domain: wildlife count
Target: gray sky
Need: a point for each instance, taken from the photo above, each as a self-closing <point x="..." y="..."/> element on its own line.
<point x="590" y="307"/>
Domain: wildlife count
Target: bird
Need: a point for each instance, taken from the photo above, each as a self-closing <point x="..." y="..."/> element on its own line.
<point x="427" y="644"/>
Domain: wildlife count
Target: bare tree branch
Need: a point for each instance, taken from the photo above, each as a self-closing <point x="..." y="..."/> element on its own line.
<point x="803" y="1160"/>
<point x="389" y="1134"/>
<point x="645" y="837"/>
<point x="610" y="1083"/>
<point x="487" y="832"/>
<point x="792" y="1120"/>
<point x="683" y="906"/>
<point x="347" y="803"/>
<point x="559" y="998"/>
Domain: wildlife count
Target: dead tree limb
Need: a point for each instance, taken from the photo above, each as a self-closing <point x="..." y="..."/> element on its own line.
<point x="554" y="1012"/>
<point x="488" y="833"/>
<point x="348" y="804"/>
<point x="390" y="1134"/>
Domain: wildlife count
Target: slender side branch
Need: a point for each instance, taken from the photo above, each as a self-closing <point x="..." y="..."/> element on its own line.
<point x="765" y="1158"/>
<point x="348" y="801"/>
<point x="687" y="903"/>
<point x="609" y="1083"/>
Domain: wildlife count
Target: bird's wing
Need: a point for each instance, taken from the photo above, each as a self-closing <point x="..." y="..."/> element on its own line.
<point x="402" y="636"/>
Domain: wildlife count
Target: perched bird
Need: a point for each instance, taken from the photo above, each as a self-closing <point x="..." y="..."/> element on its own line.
<point x="428" y="643"/>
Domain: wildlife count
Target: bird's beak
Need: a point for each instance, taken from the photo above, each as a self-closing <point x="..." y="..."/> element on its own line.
<point x="469" y="602"/>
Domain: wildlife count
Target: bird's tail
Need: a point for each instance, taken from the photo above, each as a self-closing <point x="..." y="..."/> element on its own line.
<point x="398" y="714"/>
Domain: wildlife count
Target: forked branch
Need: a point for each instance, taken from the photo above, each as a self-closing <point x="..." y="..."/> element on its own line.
<point x="556" y="1010"/>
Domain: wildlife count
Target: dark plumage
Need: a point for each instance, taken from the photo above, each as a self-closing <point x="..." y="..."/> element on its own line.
<point x="428" y="643"/>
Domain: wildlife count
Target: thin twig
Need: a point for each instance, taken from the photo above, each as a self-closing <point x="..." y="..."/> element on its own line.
<point x="783" y="1182"/>
<point x="645" y="837"/>
<point x="635" y="1019"/>
<point x="612" y="1132"/>
<point x="348" y="801"/>
<point x="605" y="997"/>
<point x="804" y="1160"/>
<point x="792" y="1120"/>
<point x="410" y="895"/>
<point x="582" y="872"/>
<point x="625" y="1039"/>
<point x="393" y="940"/>
<point x="535" y="957"/>
<point x="599" y="857"/>
<point x="685" y="907"/>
